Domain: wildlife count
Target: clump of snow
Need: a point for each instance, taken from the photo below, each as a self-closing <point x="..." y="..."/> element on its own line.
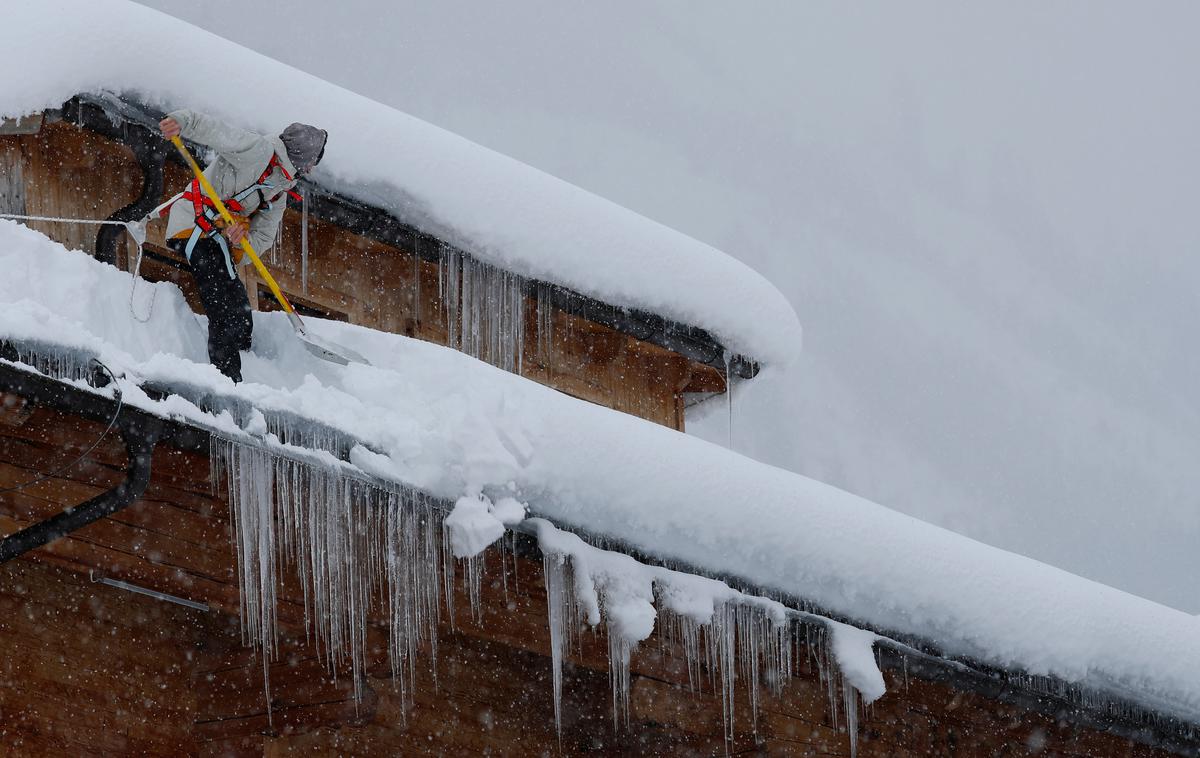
<point x="472" y="526"/>
<point x="499" y="210"/>
<point x="257" y="424"/>
<point x="433" y="419"/>
<point x="854" y="650"/>
<point x="509" y="511"/>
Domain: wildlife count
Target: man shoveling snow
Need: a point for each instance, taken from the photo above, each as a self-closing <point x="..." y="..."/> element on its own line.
<point x="252" y="174"/>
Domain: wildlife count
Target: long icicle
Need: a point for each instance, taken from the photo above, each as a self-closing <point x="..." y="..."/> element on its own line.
<point x="287" y="514"/>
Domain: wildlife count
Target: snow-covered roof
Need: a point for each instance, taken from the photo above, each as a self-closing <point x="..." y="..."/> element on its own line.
<point x="430" y="417"/>
<point x="491" y="206"/>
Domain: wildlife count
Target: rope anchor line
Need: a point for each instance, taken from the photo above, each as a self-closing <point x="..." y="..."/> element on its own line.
<point x="19" y="217"/>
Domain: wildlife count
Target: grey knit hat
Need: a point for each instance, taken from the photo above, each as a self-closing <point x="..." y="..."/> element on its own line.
<point x="305" y="145"/>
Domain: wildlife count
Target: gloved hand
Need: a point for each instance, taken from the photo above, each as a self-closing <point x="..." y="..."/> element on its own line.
<point x="235" y="233"/>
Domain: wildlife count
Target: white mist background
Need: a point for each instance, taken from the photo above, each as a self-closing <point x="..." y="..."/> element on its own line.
<point x="984" y="214"/>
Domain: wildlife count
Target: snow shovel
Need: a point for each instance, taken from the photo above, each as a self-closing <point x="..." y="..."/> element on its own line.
<point x="314" y="345"/>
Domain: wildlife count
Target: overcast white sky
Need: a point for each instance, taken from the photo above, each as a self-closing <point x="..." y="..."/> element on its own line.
<point x="983" y="213"/>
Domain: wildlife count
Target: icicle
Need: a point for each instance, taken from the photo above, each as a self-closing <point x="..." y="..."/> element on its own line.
<point x="516" y="568"/>
<point x="413" y="560"/>
<point x="352" y="544"/>
<point x="720" y="636"/>
<point x="448" y="582"/>
<point x="859" y="672"/>
<point x="619" y="650"/>
<point x="485" y="309"/>
<point x="558" y="591"/>
<point x="450" y="283"/>
<point x="751" y="634"/>
<point x="684" y="631"/>
<point x="850" y="704"/>
<point x="830" y="676"/>
<point x="416" y="295"/>
<point x="57" y="362"/>
<point x="504" y="568"/>
<point x="300" y="432"/>
<point x="515" y="307"/>
<point x="726" y="629"/>
<point x="746" y="640"/>
<point x="493" y="315"/>
<point x="545" y="324"/>
<point x="473" y="578"/>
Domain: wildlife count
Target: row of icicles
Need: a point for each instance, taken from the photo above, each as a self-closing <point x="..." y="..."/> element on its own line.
<point x="361" y="550"/>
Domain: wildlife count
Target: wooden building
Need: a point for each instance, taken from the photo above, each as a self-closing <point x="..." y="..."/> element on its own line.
<point x="121" y="635"/>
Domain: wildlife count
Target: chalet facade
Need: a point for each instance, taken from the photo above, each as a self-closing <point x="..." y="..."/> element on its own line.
<point x="173" y="585"/>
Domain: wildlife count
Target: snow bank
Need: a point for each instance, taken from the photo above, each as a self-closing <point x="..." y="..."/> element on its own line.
<point x="499" y="210"/>
<point x="435" y="419"/>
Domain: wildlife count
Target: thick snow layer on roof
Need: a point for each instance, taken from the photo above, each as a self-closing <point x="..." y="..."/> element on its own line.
<point x="442" y="421"/>
<point x="495" y="208"/>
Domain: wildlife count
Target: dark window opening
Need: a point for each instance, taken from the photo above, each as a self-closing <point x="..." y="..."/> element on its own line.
<point x="267" y="302"/>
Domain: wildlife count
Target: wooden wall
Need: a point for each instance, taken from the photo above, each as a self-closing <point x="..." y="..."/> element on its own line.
<point x="90" y="669"/>
<point x="67" y="171"/>
<point x="87" y="669"/>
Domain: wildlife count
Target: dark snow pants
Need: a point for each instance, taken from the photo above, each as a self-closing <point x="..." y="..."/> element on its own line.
<point x="225" y="303"/>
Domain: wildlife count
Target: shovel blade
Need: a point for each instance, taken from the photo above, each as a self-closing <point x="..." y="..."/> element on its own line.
<point x="326" y="351"/>
<point x="330" y="352"/>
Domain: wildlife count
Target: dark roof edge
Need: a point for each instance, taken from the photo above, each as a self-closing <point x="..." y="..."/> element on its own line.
<point x="111" y="115"/>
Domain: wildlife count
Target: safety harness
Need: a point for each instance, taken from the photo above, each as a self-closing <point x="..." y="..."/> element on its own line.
<point x="207" y="216"/>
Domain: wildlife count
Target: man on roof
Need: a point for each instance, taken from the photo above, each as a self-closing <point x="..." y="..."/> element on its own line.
<point x="252" y="173"/>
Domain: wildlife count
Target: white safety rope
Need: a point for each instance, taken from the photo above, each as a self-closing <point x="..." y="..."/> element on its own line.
<point x="137" y="268"/>
<point x="136" y="229"/>
<point x="17" y="217"/>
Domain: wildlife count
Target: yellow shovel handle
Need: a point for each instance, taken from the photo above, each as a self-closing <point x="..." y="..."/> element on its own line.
<point x="258" y="264"/>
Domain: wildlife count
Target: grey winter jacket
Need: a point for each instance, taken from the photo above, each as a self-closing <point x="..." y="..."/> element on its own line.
<point x="241" y="158"/>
